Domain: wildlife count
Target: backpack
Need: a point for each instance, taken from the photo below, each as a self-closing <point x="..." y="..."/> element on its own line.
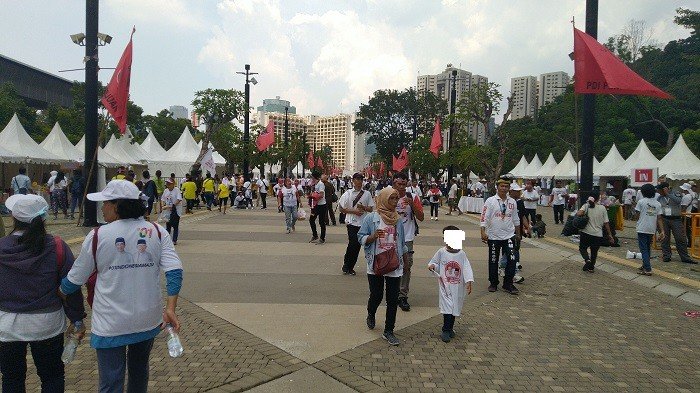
<point x="60" y="255"/>
<point x="92" y="280"/>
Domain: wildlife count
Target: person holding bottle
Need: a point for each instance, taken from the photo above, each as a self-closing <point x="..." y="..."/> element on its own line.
<point x="127" y="311"/>
<point x="32" y="263"/>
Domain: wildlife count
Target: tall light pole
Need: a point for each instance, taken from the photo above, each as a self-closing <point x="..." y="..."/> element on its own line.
<point x="92" y="15"/>
<point x="450" y="140"/>
<point x="246" y="126"/>
<point x="588" y="130"/>
<point x="303" y="157"/>
<point x="287" y="171"/>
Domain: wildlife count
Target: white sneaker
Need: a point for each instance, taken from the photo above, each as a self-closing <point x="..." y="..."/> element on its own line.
<point x="518" y="279"/>
<point x="502" y="271"/>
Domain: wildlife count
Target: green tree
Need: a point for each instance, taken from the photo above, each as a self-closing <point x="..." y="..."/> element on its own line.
<point x="218" y="107"/>
<point x="11" y="103"/>
<point x="166" y="129"/>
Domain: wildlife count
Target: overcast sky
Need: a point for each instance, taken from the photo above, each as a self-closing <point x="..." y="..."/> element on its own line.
<point x="325" y="56"/>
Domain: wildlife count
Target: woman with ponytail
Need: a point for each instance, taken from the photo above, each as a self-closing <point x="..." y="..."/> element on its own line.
<point x="32" y="264"/>
<point x="592" y="234"/>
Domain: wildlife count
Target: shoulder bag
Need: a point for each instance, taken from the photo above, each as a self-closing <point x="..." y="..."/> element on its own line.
<point x="342" y="216"/>
<point x="580" y="222"/>
<point x="385" y="262"/>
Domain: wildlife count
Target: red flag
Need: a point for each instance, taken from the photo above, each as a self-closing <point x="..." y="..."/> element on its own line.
<point x="310" y="159"/>
<point x="266" y="138"/>
<point x="598" y="71"/>
<point x="381" y="168"/>
<point x="319" y="163"/>
<point x="436" y="141"/>
<point x="400" y="162"/>
<point x="117" y="93"/>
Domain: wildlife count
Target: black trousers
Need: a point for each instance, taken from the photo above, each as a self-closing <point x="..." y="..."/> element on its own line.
<point x="376" y="291"/>
<point x="47" y="359"/>
<point x="263" y="197"/>
<point x="448" y="324"/>
<point x="318" y="212"/>
<point x="530" y="213"/>
<point x="173" y="224"/>
<point x="507" y="247"/>
<point x="589" y="241"/>
<point x="434" y="207"/>
<point x="558" y="213"/>
<point x="330" y="213"/>
<point x="353" y="249"/>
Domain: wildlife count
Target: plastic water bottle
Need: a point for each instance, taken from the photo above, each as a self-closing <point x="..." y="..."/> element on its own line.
<point x="72" y="345"/>
<point x="174" y="345"/>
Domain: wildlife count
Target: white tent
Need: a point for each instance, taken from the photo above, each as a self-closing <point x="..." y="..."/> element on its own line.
<point x="547" y="169"/>
<point x="218" y="158"/>
<point x="153" y="148"/>
<point x="612" y="161"/>
<point x="15" y="140"/>
<point x="518" y="170"/>
<point x="115" y="148"/>
<point x="641" y="157"/>
<point x="532" y="168"/>
<point x="103" y="158"/>
<point x="566" y="169"/>
<point x="185" y="150"/>
<point x="596" y="166"/>
<point x="57" y="143"/>
<point x="680" y="163"/>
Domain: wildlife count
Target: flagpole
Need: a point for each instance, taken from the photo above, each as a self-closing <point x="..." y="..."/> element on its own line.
<point x="588" y="129"/>
<point x="92" y="16"/>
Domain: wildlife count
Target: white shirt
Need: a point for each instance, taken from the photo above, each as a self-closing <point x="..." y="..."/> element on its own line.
<point x="387" y="244"/>
<point x="127" y="294"/>
<point x="320" y="188"/>
<point x="414" y="191"/>
<point x="479" y="188"/>
<point x="454" y="270"/>
<point x="406" y="217"/>
<point x="31" y="327"/>
<point x="558" y="193"/>
<point x="434" y="197"/>
<point x="500" y="217"/>
<point x="246" y="185"/>
<point x="533" y="194"/>
<point x="346" y="203"/>
<point x="597" y="217"/>
<point x="262" y="185"/>
<point x="628" y="195"/>
<point x="453" y="191"/>
<point x="649" y="211"/>
<point x="687" y="201"/>
<point x="171" y="197"/>
<point x="289" y="195"/>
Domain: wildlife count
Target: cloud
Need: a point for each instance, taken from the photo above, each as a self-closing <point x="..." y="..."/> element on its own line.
<point x="170" y="13"/>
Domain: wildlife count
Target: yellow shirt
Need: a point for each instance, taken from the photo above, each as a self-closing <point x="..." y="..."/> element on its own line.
<point x="119" y="177"/>
<point x="189" y="190"/>
<point x="223" y="191"/>
<point x="208" y="185"/>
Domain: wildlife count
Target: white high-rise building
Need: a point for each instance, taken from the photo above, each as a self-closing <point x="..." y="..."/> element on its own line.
<point x="336" y="131"/>
<point x="524" y="91"/>
<point x="552" y="85"/>
<point x="440" y="85"/>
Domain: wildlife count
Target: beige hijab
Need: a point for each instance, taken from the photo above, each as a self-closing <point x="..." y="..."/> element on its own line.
<point x="389" y="215"/>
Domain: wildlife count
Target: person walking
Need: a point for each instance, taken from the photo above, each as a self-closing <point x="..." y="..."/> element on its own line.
<point x="150" y="191"/>
<point x="557" y="200"/>
<point x="21" y="183"/>
<point x="223" y="195"/>
<point x="59" y="196"/>
<point x="452" y="198"/>
<point x="262" y="188"/>
<point x="160" y="187"/>
<point x="434" y="195"/>
<point x="628" y="196"/>
<point x="208" y="188"/>
<point x="127" y="312"/>
<point x="650" y="213"/>
<point x="77" y="188"/>
<point x="592" y="235"/>
<point x="32" y="263"/>
<point x="172" y="205"/>
<point x="500" y="230"/>
<point x="318" y="209"/>
<point x="673" y="224"/>
<point x="289" y="197"/>
<point x="189" y="193"/>
<point x="381" y="233"/>
<point x="530" y="197"/>
<point x="410" y="212"/>
<point x="331" y="197"/>
<point x="355" y="203"/>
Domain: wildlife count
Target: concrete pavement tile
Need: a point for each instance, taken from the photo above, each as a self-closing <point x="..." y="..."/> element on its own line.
<point x="607" y="267"/>
<point x="626" y="274"/>
<point x="307" y="379"/>
<point x="672" y="290"/>
<point x="691" y="297"/>
<point x="646" y="281"/>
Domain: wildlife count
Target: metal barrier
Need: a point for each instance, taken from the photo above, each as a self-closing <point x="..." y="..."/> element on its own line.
<point x="694" y="241"/>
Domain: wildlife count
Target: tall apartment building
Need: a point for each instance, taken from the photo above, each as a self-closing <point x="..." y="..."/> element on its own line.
<point x="336" y="131"/>
<point x="440" y="85"/>
<point x="179" y="112"/>
<point x="552" y="85"/>
<point x="297" y="125"/>
<point x="524" y="91"/>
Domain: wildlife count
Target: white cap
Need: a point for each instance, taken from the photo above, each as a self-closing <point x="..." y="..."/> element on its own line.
<point x="686" y="187"/>
<point x="27" y="207"/>
<point x="116" y="189"/>
<point x="515" y="187"/>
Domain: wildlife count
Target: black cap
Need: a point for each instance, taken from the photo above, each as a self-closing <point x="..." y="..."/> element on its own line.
<point x="358" y="175"/>
<point x="662" y="185"/>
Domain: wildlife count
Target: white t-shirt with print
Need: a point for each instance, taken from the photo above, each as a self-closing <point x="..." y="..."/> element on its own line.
<point x="289" y="196"/>
<point x="454" y="270"/>
<point x="346" y="203"/>
<point x="387" y="244"/>
<point x="320" y="188"/>
<point x="628" y="195"/>
<point x="453" y="191"/>
<point x="649" y="211"/>
<point x="558" y="193"/>
<point x="406" y="217"/>
<point x="532" y="194"/>
<point x="170" y="197"/>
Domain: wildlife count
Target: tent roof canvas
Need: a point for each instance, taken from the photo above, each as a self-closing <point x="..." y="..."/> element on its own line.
<point x="184" y="150"/>
<point x="103" y="158"/>
<point x="642" y="157"/>
<point x="680" y="163"/>
<point x="57" y="143"/>
<point x="15" y="139"/>
<point x="547" y="169"/>
<point x="153" y="148"/>
<point x="566" y="169"/>
<point x="518" y="170"/>
<point x="533" y="167"/>
<point x="115" y="148"/>
<point x="610" y="163"/>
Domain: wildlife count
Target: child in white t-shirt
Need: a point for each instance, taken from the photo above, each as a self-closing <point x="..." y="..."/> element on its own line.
<point x="454" y="272"/>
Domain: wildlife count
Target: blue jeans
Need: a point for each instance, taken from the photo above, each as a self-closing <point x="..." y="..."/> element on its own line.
<point x="209" y="197"/>
<point x="47" y="359"/>
<point x="112" y="363"/>
<point x="290" y="216"/>
<point x="645" y="248"/>
<point x="74" y="202"/>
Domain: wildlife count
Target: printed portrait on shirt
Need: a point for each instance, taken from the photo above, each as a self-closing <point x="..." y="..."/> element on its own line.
<point x="453" y="272"/>
<point x="142" y="254"/>
<point x="387" y="242"/>
<point x="122" y="257"/>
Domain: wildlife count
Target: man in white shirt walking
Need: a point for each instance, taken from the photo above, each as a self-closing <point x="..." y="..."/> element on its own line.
<point x="558" y="201"/>
<point x="628" y="196"/>
<point x="500" y="230"/>
<point x="262" y="189"/>
<point x="410" y="212"/>
<point x="355" y="203"/>
<point x="530" y="197"/>
<point x="452" y="198"/>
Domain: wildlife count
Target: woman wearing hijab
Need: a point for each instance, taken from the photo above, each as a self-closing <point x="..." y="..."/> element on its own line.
<point x="32" y="263"/>
<point x="380" y="234"/>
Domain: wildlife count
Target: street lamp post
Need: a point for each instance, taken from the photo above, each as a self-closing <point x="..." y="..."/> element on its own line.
<point x="92" y="16"/>
<point x="287" y="169"/>
<point x="588" y="131"/>
<point x="450" y="140"/>
<point x="303" y="158"/>
<point x="246" y="126"/>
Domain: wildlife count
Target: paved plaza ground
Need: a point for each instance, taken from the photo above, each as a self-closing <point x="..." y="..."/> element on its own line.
<point x="268" y="312"/>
